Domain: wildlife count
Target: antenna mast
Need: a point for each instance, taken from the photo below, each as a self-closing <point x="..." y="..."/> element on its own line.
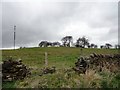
<point x="14" y="35"/>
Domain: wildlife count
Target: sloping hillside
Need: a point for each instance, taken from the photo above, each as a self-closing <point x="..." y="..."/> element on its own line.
<point x="63" y="59"/>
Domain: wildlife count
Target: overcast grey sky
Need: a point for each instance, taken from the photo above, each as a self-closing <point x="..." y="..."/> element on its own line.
<point x="37" y="21"/>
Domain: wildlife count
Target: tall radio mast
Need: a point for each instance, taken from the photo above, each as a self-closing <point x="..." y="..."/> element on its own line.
<point x="14" y="35"/>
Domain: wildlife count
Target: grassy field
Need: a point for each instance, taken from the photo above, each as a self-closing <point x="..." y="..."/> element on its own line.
<point x="63" y="59"/>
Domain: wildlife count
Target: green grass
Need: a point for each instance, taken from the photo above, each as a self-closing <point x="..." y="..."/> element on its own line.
<point x="60" y="57"/>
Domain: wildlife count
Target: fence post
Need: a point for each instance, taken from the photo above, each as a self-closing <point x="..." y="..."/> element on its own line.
<point x="46" y="59"/>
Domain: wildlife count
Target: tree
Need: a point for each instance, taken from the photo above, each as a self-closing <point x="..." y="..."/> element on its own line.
<point x="88" y="45"/>
<point x="67" y="40"/>
<point x="79" y="42"/>
<point x="82" y="42"/>
<point x="45" y="44"/>
<point x="92" y="45"/>
<point x="102" y="46"/>
<point x="95" y="46"/>
<point x="55" y="44"/>
<point x="107" y="45"/>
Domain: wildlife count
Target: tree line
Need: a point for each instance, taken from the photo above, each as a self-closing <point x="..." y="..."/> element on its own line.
<point x="82" y="42"/>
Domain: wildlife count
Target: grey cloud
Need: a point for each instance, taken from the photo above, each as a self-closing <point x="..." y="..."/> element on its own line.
<point x="36" y="21"/>
<point x="111" y="36"/>
<point x="41" y="27"/>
